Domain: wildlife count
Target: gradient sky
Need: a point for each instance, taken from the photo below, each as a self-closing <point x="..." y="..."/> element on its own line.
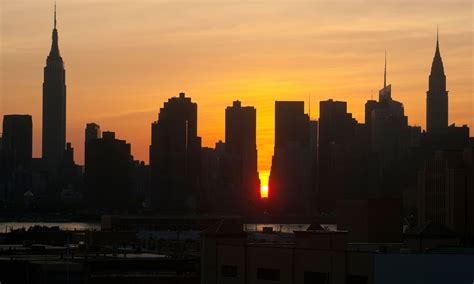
<point x="125" y="58"/>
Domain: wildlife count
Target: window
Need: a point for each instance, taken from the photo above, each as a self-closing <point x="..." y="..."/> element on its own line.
<point x="311" y="277"/>
<point x="357" y="279"/>
<point x="268" y="274"/>
<point x="229" y="271"/>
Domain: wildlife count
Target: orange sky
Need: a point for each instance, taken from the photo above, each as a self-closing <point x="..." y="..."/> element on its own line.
<point x="125" y="58"/>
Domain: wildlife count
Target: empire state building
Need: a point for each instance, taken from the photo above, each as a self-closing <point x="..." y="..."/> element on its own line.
<point x="54" y="105"/>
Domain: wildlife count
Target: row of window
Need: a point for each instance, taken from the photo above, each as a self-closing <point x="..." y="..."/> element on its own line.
<point x="262" y="273"/>
<point x="310" y="277"/>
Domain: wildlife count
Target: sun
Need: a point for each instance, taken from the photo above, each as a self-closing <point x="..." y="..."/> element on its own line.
<point x="264" y="191"/>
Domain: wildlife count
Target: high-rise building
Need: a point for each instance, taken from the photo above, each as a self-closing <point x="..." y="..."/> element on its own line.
<point x="390" y="142"/>
<point x="468" y="157"/>
<point x="107" y="173"/>
<point x="54" y="105"/>
<point x="437" y="96"/>
<point x="445" y="191"/>
<point x="214" y="177"/>
<point x="92" y="132"/>
<point x="290" y="176"/>
<point x="440" y="135"/>
<point x="453" y="137"/>
<point x="241" y="152"/>
<point x="15" y="157"/>
<point x="390" y="135"/>
<point x="314" y="182"/>
<point x="291" y="124"/>
<point x="17" y="141"/>
<point x="140" y="183"/>
<point x="336" y="148"/>
<point x="71" y="174"/>
<point x="175" y="156"/>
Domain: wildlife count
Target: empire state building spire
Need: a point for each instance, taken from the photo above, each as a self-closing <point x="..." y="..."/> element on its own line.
<point x="54" y="105"/>
<point x="437" y="96"/>
<point x="54" y="53"/>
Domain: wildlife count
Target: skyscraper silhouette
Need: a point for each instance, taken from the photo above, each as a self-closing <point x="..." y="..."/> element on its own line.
<point x="445" y="193"/>
<point x="390" y="135"/>
<point x="108" y="164"/>
<point x="391" y="140"/>
<point x="437" y="96"/>
<point x="175" y="156"/>
<point x="92" y="132"/>
<point x="15" y="157"/>
<point x="54" y="105"/>
<point x="17" y="141"/>
<point x="241" y="152"/>
<point x="337" y="136"/>
<point x="290" y="176"/>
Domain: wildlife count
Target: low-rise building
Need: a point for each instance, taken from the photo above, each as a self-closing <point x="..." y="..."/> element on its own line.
<point x="231" y="255"/>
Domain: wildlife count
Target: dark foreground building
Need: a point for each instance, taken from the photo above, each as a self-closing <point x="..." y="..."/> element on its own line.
<point x="42" y="264"/>
<point x="317" y="255"/>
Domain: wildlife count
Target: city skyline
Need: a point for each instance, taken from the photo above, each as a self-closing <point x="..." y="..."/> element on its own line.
<point x="186" y="141"/>
<point x="252" y="87"/>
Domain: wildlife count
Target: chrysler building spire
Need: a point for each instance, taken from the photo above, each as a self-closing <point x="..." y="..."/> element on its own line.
<point x="437" y="96"/>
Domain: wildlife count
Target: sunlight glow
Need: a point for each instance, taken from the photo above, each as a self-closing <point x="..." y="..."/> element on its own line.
<point x="264" y="176"/>
<point x="264" y="191"/>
